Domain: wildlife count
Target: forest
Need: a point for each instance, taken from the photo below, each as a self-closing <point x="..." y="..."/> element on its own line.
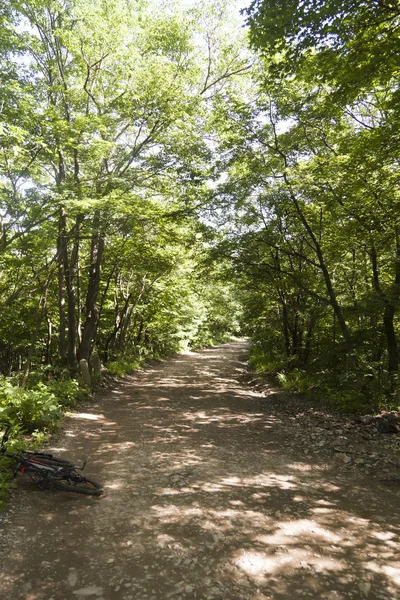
<point x="176" y="174"/>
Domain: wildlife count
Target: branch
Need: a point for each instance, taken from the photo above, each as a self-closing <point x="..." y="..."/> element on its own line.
<point x="225" y="75"/>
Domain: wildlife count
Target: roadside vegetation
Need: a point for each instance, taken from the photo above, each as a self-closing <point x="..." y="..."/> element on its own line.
<point x="312" y="196"/>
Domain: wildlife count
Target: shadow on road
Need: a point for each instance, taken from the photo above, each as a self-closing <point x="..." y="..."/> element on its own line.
<point x="205" y="499"/>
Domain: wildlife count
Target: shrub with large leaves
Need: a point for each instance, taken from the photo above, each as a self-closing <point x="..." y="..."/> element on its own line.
<point x="29" y="408"/>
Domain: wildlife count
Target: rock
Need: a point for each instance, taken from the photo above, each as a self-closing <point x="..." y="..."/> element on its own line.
<point x="337" y="442"/>
<point x="73" y="578"/>
<point x="365" y="420"/>
<point x="91" y="590"/>
<point x="84" y="368"/>
<point x="365" y="587"/>
<point x="340" y="449"/>
<point x="383" y="426"/>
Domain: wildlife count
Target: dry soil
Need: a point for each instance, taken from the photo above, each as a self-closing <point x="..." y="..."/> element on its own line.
<point x="207" y="497"/>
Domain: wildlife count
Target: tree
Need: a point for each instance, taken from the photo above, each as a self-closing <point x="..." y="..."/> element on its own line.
<point x="351" y="45"/>
<point x="104" y="124"/>
<point x="310" y="151"/>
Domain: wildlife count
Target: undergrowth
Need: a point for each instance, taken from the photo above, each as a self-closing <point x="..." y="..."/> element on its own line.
<point x="35" y="412"/>
<point x="345" y="387"/>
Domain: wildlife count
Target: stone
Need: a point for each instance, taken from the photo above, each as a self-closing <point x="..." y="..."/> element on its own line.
<point x="383" y="426"/>
<point x="96" y="363"/>
<point x="73" y="578"/>
<point x="365" y="588"/>
<point x="91" y="590"/>
<point x="84" y="367"/>
<point x="365" y="420"/>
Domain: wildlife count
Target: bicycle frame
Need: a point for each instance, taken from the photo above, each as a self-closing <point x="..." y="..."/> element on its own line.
<point x="34" y="458"/>
<point x="51" y="471"/>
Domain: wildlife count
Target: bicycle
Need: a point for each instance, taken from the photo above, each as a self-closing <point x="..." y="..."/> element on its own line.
<point x="48" y="471"/>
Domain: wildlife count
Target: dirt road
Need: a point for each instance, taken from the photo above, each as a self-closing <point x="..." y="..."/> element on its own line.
<point x="205" y="499"/>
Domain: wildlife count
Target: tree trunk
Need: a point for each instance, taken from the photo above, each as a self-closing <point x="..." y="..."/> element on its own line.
<point x="48" y="355"/>
<point x="285" y="325"/>
<point x="391" y="340"/>
<point x="389" y="311"/>
<point x="62" y="349"/>
<point x="325" y="272"/>
<point x="318" y="250"/>
<point x="119" y="319"/>
<point x="91" y="310"/>
<point x="69" y="266"/>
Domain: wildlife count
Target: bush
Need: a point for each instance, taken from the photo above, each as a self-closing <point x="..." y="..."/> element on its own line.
<point x="32" y="409"/>
<point x="348" y="388"/>
<point x="17" y="443"/>
<point x="295" y="381"/>
<point x="68" y="392"/>
<point x="123" y="366"/>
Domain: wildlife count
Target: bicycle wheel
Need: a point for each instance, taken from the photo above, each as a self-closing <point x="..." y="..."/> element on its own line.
<point x="78" y="484"/>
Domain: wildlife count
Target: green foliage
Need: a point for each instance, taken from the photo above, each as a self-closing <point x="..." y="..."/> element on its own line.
<point x="308" y="201"/>
<point x="32" y="409"/>
<point x="36" y="412"/>
<point x="347" y="389"/>
<point x="68" y="392"/>
<point x="352" y="45"/>
<point x="123" y="366"/>
<point x="39" y="408"/>
<point x="17" y="442"/>
<point x="263" y="359"/>
<point x="103" y="162"/>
